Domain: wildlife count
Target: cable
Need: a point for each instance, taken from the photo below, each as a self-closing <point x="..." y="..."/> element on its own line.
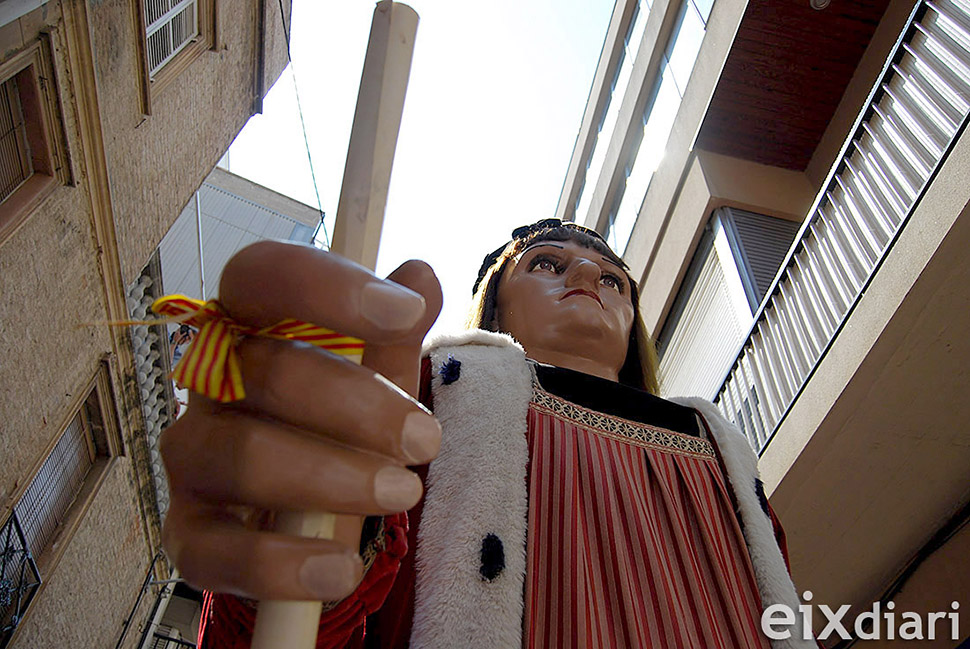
<point x="306" y="140"/>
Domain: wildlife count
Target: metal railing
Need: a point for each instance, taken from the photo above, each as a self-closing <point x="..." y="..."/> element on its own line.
<point x="19" y="577"/>
<point x="911" y="119"/>
<point x="166" y="637"/>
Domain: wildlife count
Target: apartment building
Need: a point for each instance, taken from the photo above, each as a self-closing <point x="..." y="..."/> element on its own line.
<point x="113" y="113"/>
<point x="787" y="180"/>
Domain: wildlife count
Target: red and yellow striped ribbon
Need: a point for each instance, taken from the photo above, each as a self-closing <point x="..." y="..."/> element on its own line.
<point x="211" y="364"/>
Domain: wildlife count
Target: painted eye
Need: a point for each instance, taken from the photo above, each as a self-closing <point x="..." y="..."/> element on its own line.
<point x="545" y="264"/>
<point x="612" y="282"/>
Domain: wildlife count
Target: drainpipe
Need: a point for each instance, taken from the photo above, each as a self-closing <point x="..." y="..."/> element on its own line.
<point x="198" y="222"/>
<point x="134" y="609"/>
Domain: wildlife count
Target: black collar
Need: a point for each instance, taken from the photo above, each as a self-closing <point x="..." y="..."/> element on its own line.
<point x="616" y="399"/>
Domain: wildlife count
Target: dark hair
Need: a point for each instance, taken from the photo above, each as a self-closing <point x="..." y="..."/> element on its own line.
<point x="640" y="367"/>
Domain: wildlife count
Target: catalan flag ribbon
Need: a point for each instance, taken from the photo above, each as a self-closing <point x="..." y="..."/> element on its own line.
<point x="211" y="365"/>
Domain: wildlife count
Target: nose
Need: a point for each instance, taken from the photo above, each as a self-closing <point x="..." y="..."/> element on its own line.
<point x="583" y="273"/>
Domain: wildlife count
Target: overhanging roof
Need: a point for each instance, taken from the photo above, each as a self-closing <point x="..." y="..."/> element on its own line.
<point x="784" y="77"/>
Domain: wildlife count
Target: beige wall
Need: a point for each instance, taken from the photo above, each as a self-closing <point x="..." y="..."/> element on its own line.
<point x="96" y="581"/>
<point x="50" y="287"/>
<point x="56" y="286"/>
<point x="157" y="161"/>
<point x="941" y="579"/>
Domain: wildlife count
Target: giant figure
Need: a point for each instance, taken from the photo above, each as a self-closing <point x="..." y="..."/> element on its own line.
<point x="569" y="505"/>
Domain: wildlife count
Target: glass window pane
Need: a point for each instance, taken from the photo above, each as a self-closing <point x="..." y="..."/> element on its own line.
<point x="659" y="123"/>
<point x="655" y="133"/>
<point x="685" y="43"/>
<point x="607" y="127"/>
<point x="635" y="35"/>
<point x="703" y="8"/>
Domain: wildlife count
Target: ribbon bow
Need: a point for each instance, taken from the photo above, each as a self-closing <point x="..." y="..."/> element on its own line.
<point x="211" y="365"/>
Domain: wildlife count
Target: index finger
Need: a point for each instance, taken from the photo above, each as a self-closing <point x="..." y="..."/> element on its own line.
<point x="270" y="281"/>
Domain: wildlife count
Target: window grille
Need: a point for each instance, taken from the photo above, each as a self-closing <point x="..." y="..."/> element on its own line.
<point x="732" y="268"/>
<point x="170" y="26"/>
<point x="15" y="162"/>
<point x="30" y="535"/>
<point x="50" y="494"/>
<point x="709" y="329"/>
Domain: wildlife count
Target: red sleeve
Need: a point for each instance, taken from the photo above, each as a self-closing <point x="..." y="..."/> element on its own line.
<point x="783" y="546"/>
<point x="390" y="627"/>
<point x="229" y="620"/>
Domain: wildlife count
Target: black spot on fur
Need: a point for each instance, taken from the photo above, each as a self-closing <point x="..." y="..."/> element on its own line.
<point x="759" y="488"/>
<point x="493" y="557"/>
<point x="450" y="371"/>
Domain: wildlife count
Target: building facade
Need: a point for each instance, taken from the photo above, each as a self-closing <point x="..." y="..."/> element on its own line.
<point x="788" y="186"/>
<point x="113" y="113"/>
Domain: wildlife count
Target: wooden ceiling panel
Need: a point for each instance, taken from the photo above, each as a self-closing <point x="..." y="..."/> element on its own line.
<point x="784" y="78"/>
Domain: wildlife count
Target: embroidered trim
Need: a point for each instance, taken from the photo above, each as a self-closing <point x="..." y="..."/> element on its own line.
<point x="623" y="430"/>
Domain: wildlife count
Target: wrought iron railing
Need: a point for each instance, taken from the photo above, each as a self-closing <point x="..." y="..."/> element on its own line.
<point x="911" y="119"/>
<point x="163" y="639"/>
<point x="19" y="577"/>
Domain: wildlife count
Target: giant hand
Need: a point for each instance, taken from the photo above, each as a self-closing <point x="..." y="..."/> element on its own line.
<point x="315" y="432"/>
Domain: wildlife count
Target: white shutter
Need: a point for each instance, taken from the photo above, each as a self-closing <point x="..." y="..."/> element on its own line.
<point x="706" y="336"/>
<point x="170" y="25"/>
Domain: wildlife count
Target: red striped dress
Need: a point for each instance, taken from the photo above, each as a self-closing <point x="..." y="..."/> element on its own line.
<point x="632" y="541"/>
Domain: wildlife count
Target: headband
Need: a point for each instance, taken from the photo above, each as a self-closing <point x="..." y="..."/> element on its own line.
<point x="525" y="232"/>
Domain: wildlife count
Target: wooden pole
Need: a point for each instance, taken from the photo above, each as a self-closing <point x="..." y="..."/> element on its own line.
<point x="380" y="103"/>
<point x="357" y="232"/>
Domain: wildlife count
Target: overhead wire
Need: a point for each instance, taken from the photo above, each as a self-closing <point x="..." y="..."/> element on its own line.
<point x="306" y="140"/>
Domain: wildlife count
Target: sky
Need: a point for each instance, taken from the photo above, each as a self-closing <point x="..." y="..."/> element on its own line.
<point x="494" y="104"/>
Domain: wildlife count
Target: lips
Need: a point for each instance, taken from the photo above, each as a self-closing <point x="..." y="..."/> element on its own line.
<point x="582" y="291"/>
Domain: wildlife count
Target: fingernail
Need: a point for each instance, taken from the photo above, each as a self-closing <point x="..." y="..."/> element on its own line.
<point x="391" y="307"/>
<point x="331" y="576"/>
<point x="396" y="489"/>
<point x="420" y="438"/>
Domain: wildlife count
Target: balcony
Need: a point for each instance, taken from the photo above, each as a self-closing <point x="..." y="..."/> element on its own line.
<point x="901" y="139"/>
<point x="852" y="381"/>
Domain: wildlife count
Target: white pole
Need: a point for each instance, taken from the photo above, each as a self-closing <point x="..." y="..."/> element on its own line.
<point x="360" y="217"/>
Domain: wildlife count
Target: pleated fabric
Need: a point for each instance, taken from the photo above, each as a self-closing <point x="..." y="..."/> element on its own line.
<point x="633" y="541"/>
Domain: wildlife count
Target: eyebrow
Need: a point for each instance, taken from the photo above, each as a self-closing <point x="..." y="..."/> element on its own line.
<point x="612" y="262"/>
<point x="553" y="245"/>
<point x="539" y="245"/>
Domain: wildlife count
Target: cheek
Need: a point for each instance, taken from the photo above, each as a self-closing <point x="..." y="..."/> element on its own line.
<point x="626" y="316"/>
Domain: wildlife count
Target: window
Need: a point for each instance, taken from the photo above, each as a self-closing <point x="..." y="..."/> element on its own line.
<point x="607" y="124"/>
<point x="32" y="150"/>
<point x="732" y="269"/>
<point x="48" y="510"/>
<point x="16" y="165"/>
<point x="676" y="66"/>
<point x="176" y="33"/>
<point x="172" y="24"/>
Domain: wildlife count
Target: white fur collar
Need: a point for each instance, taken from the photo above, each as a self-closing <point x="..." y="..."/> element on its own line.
<point x="471" y="337"/>
<point x="476" y="488"/>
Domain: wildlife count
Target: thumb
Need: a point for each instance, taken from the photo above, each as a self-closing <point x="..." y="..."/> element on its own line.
<point x="400" y="362"/>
